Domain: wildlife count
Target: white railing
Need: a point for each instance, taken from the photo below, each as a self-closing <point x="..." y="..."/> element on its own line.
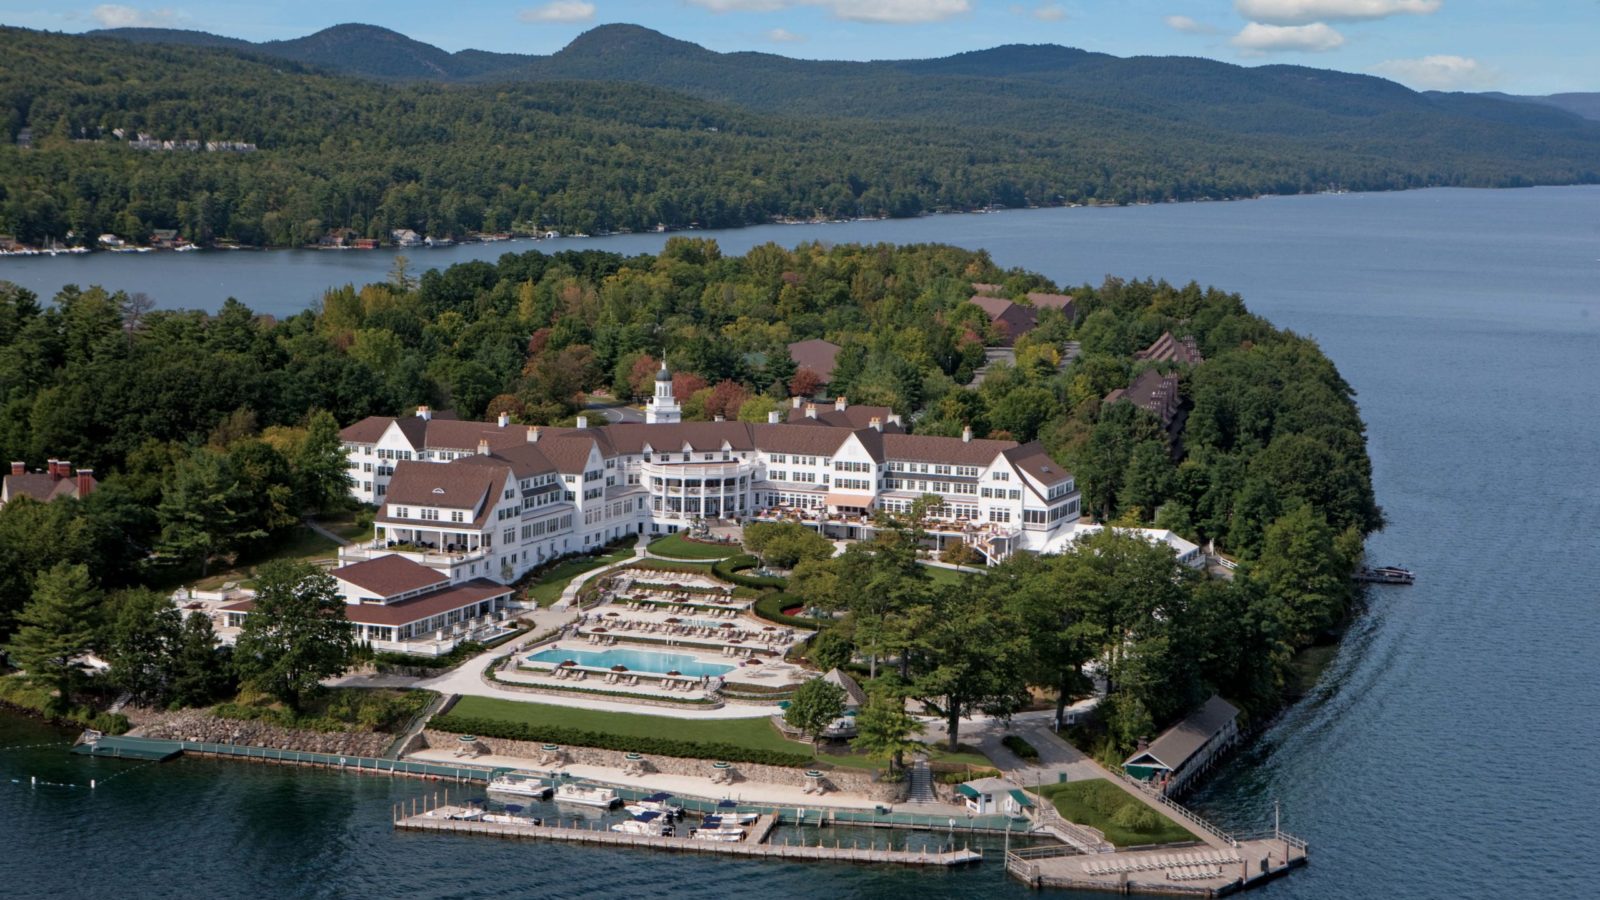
<point x="1174" y="807"/>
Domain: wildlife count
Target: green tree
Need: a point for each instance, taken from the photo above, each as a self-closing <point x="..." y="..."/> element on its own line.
<point x="785" y="544"/>
<point x="884" y="730"/>
<point x="204" y="671"/>
<point x="322" y="478"/>
<point x="830" y="649"/>
<point x="142" y="644"/>
<point x="59" y="625"/>
<point x="296" y="635"/>
<point x="815" y="706"/>
<point x="1303" y="569"/>
<point x="203" y="510"/>
<point x="970" y="658"/>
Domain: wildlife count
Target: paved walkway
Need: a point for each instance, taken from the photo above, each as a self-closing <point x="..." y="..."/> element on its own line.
<point x="317" y="527"/>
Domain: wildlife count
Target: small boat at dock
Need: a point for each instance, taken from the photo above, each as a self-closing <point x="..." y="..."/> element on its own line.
<point x="652" y="824"/>
<point x="520" y="784"/>
<point x="714" y="829"/>
<point x="587" y="795"/>
<point x="657" y="803"/>
<point x="1385" y="575"/>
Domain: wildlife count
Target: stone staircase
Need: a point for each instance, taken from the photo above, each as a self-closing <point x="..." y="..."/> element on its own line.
<point x="919" y="783"/>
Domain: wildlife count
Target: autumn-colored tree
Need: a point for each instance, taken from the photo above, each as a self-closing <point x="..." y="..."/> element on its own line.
<point x="805" y="383"/>
<point x="685" y="384"/>
<point x="725" y="399"/>
<point x="642" y="377"/>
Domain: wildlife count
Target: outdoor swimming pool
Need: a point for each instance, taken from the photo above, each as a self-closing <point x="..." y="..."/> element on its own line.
<point x="646" y="661"/>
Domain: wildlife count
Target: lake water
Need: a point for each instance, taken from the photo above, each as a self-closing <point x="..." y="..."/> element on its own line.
<point x="1444" y="754"/>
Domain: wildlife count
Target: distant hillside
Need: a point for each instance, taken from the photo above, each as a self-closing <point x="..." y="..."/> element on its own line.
<point x="629" y="128"/>
<point x="1586" y="105"/>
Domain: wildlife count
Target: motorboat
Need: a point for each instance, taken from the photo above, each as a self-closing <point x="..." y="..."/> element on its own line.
<point x="521" y="784"/>
<point x="728" y="811"/>
<point x="510" y="819"/>
<point x="1386" y="575"/>
<point x="587" y="795"/>
<point x="660" y="803"/>
<point x="650" y="824"/>
<point x="714" y="829"/>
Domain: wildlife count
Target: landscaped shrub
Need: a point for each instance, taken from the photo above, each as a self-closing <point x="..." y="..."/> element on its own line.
<point x="966" y="775"/>
<point x="771" y="607"/>
<point x="462" y="652"/>
<point x="731" y="570"/>
<point x="576" y="737"/>
<point x="1016" y="744"/>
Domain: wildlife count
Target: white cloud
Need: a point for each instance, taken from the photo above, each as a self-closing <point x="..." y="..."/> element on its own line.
<point x="898" y="12"/>
<point x="1049" y="12"/>
<point x="1305" y="12"/>
<point x="559" y="11"/>
<point x="722" y="6"/>
<point x="784" y="36"/>
<point x="1257" y="38"/>
<point x="115" y="15"/>
<point x="1440" y="73"/>
<point x="1189" y="26"/>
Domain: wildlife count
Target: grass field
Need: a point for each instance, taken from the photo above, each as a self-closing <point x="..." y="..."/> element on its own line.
<point x="756" y="733"/>
<point x="344" y="525"/>
<point x="677" y="546"/>
<point x="547" y="589"/>
<point x="948" y="576"/>
<point x="1125" y="821"/>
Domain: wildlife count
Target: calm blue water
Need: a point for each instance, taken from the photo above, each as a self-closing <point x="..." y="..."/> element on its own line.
<point x="1444" y="754"/>
<point x="651" y="661"/>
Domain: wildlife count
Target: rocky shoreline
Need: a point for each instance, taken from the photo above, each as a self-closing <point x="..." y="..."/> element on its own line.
<point x="200" y="726"/>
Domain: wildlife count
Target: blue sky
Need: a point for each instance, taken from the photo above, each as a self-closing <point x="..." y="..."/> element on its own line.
<point x="1521" y="46"/>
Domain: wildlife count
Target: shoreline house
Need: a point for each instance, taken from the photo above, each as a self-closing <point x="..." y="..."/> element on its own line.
<point x="398" y="605"/>
<point x="1013" y="320"/>
<point x="1187" y="748"/>
<point x="995" y="796"/>
<point x="494" y="500"/>
<point x="57" y="481"/>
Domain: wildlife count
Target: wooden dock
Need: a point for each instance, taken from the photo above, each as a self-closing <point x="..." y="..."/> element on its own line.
<point x="757" y="845"/>
<point x="1191" y="871"/>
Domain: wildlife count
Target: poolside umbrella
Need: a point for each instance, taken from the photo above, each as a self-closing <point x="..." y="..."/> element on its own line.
<point x="752" y="662"/>
<point x="770" y="628"/>
<point x="673" y="620"/>
<point x="514" y="807"/>
<point x="619" y="668"/>
<point x="598" y="630"/>
<point x="727" y="624"/>
<point x="736" y="641"/>
<point x="613" y="615"/>
<point x="674" y="672"/>
<point x="568" y="662"/>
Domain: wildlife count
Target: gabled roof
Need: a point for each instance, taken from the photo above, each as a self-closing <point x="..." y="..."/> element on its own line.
<point x="1013" y="319"/>
<point x="853" y="694"/>
<point x="817" y="355"/>
<point x="1032" y="459"/>
<point x="1063" y="302"/>
<point x="849" y="417"/>
<point x="979" y="287"/>
<point x="943" y="450"/>
<point x="1153" y="391"/>
<point x="448" y="486"/>
<point x="390" y="575"/>
<point x="41" y="487"/>
<point x="806" y="441"/>
<point x="454" y="434"/>
<point x="525" y="459"/>
<point x="567" y="450"/>
<point x="366" y="431"/>
<point x="1175" y="745"/>
<point x="1170" y="349"/>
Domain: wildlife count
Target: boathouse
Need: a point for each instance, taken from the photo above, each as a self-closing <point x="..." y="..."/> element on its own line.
<point x="1186" y="748"/>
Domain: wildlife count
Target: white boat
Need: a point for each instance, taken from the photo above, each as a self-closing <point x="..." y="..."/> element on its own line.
<point x="659" y="803"/>
<point x="715" y="829"/>
<point x="456" y="813"/>
<point x="520" y="784"/>
<point x="509" y="819"/>
<point x="587" y="795"/>
<point x="651" y="824"/>
<point x="728" y="812"/>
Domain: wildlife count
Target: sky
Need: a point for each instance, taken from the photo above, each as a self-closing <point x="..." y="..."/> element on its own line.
<point x="1518" y="46"/>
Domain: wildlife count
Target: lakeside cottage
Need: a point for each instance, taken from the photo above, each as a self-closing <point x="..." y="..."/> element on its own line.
<point x="1187" y="748"/>
<point x="986" y="796"/>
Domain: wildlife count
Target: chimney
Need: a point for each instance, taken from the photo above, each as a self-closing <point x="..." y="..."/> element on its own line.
<point x="424" y="413"/>
<point x="719" y="417"/>
<point x="966" y="434"/>
<point x="533" y="434"/>
<point x="794" y="402"/>
<point x="876" y="424"/>
<point x="583" y="421"/>
<point x="504" y="420"/>
<point x="811" y="410"/>
<point x="773" y="418"/>
<point x="85" y="482"/>
<point x="483" y="448"/>
<point x="63" y="469"/>
<point x="840" y="403"/>
<point x="50" y="467"/>
<point x="19" y="468"/>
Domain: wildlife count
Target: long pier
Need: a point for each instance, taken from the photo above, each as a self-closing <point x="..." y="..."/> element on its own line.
<point x="441" y="819"/>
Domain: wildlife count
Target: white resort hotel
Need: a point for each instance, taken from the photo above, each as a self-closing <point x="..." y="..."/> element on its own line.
<point x="467" y="508"/>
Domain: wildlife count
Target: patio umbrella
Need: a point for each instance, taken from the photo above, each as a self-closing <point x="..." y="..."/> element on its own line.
<point x="770" y="628"/>
<point x="613" y="615"/>
<point x="673" y="620"/>
<point x="598" y="630"/>
<point x="727" y="625"/>
<point x="752" y="662"/>
<point x="674" y="672"/>
<point x="619" y="668"/>
<point x="568" y="662"/>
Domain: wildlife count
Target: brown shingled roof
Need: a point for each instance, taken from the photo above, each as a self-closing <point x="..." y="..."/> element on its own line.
<point x="1063" y="302"/>
<point x="366" y="431"/>
<point x="415" y="609"/>
<point x="448" y="485"/>
<point x="389" y="575"/>
<point x="1033" y="460"/>
<point x="817" y="355"/>
<point x="852" y="417"/>
<point x="1169" y="349"/>
<point x="815" y="441"/>
<point x="943" y="450"/>
<point x="41" y="487"/>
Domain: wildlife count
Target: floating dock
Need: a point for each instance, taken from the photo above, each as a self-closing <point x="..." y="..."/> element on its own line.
<point x="124" y="747"/>
<point x="130" y="748"/>
<point x="1191" y="871"/>
<point x="425" y="816"/>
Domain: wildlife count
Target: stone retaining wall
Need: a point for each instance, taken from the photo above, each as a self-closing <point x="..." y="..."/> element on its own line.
<point x="192" y="725"/>
<point x="850" y="780"/>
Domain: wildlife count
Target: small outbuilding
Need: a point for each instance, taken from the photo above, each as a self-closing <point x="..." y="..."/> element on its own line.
<point x="995" y="796"/>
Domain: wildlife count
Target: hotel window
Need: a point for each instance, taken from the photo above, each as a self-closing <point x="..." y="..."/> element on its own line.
<point x="999" y="515"/>
<point x="401" y="512"/>
<point x="1000" y="476"/>
<point x="457" y="516"/>
<point x="430" y="515"/>
<point x="510" y="536"/>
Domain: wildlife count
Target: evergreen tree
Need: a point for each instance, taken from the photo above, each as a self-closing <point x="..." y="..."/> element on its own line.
<point x="142" y="644"/>
<point x="58" y="625"/>
<point x="203" y="671"/>
<point x="884" y="730"/>
<point x="321" y="467"/>
<point x="296" y="635"/>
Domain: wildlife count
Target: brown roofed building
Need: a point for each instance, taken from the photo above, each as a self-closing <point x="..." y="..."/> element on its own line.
<point x="1153" y="391"/>
<point x="840" y="414"/>
<point x="1170" y="349"/>
<point x="57" y="481"/>
<point x="817" y="355"/>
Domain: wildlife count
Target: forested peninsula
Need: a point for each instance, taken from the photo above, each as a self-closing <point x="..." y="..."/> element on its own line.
<point x="214" y="434"/>
<point x="357" y="134"/>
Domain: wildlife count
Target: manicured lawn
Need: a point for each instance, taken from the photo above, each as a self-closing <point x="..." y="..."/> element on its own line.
<point x="1100" y="804"/>
<point x="302" y="545"/>
<point x="344" y="525"/>
<point x="679" y="547"/>
<point x="755" y="733"/>
<point x="547" y="589"/>
<point x="948" y="576"/>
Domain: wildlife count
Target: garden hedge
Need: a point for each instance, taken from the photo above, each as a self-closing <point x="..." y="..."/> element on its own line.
<point x="771" y="607"/>
<point x="729" y="570"/>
